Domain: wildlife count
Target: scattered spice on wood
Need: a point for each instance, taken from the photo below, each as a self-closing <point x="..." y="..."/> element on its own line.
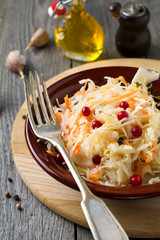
<point x="18" y="206"/>
<point x="7" y="194"/>
<point x="24" y="116"/>
<point x="16" y="197"/>
<point x="10" y="179"/>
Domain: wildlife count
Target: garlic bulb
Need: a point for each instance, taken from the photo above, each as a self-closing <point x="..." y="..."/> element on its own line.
<point x="39" y="39"/>
<point x="15" y="61"/>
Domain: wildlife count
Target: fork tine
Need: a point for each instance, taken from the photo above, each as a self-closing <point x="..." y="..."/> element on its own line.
<point x="41" y="99"/>
<point x="26" y="90"/>
<point x="51" y="111"/>
<point x="35" y="104"/>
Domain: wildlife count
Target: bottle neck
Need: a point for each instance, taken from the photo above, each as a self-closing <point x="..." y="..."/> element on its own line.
<point x="78" y="5"/>
<point x="78" y="2"/>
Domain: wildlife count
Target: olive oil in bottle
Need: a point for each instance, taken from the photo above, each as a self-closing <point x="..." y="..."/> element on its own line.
<point x="79" y="35"/>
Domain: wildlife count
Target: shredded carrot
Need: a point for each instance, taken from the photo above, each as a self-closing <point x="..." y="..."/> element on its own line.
<point x="77" y="129"/>
<point x="142" y="169"/>
<point x="132" y="104"/>
<point x="90" y="117"/>
<point x="85" y="84"/>
<point x="83" y="91"/>
<point x="77" y="148"/>
<point x="67" y="102"/>
<point x="155" y="146"/>
<point x="110" y="142"/>
<point x="90" y="98"/>
<point x="145" y="111"/>
<point x="59" y="117"/>
<point x="69" y="129"/>
<point x="148" y="159"/>
<point x="123" y="96"/>
<point x="51" y="153"/>
<point x="96" y="181"/>
<point x="95" y="176"/>
<point x="115" y="95"/>
<point x="143" y="155"/>
<point x="128" y="143"/>
<point x="139" y="168"/>
<point x="118" y="159"/>
<point x="78" y="93"/>
<point x="122" y="79"/>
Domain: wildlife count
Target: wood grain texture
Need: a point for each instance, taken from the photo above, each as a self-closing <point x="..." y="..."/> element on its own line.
<point x="36" y="221"/>
<point x="66" y="201"/>
<point x="18" y="20"/>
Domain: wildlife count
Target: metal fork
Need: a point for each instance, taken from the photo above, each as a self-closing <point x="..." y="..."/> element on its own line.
<point x="101" y="221"/>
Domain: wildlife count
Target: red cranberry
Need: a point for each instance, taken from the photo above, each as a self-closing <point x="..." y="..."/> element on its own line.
<point x="122" y="114"/>
<point x="96" y="124"/>
<point x="59" y="158"/>
<point x="96" y="159"/>
<point x="124" y="105"/>
<point x="136" y="131"/>
<point x="86" y="111"/>
<point x="135" y="180"/>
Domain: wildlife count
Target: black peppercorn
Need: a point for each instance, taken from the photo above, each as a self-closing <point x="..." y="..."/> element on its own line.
<point x="24" y="117"/>
<point x="18" y="206"/>
<point x="120" y="141"/>
<point x="10" y="179"/>
<point x="16" y="197"/>
<point x="7" y="194"/>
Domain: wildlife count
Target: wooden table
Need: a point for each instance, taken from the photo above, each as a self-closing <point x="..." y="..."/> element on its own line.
<point x="18" y="21"/>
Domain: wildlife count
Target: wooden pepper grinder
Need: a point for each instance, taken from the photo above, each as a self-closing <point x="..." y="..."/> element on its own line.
<point x="133" y="37"/>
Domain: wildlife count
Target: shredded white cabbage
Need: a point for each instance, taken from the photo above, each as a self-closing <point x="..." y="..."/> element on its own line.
<point x="119" y="160"/>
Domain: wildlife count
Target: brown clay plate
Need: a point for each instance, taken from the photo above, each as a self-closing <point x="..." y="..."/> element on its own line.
<point x="69" y="85"/>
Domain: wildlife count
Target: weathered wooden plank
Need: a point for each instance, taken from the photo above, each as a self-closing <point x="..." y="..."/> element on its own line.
<point x="3" y="6"/>
<point x="83" y="233"/>
<point x="35" y="221"/>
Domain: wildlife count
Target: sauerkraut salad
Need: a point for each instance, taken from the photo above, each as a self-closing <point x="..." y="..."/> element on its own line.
<point x="112" y="132"/>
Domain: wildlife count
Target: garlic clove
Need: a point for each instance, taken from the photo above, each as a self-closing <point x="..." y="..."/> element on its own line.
<point x="39" y="39"/>
<point x="15" y="61"/>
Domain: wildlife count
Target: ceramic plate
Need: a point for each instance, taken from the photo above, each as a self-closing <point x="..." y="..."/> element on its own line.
<point x="69" y="85"/>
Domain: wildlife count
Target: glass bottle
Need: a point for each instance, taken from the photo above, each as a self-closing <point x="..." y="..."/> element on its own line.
<point x="78" y="34"/>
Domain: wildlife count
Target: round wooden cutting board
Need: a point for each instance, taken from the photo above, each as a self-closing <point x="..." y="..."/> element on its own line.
<point x="140" y="218"/>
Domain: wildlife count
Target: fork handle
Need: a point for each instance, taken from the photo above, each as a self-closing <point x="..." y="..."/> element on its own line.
<point x="101" y="221"/>
<point x="78" y="179"/>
